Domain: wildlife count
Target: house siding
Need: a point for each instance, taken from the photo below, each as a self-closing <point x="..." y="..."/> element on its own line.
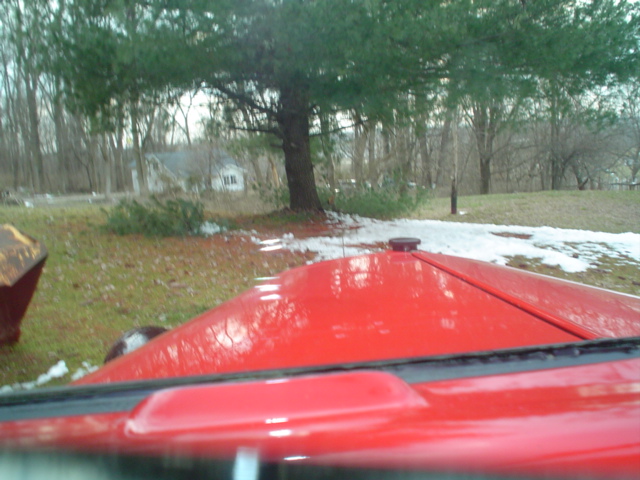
<point x="160" y="178"/>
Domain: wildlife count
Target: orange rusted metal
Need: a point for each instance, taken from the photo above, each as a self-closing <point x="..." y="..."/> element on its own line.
<point x="21" y="261"/>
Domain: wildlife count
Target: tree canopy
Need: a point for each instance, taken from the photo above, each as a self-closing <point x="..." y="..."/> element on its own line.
<point x="280" y="64"/>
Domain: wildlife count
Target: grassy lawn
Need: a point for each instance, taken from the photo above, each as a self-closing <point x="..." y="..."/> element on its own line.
<point x="97" y="285"/>
<point x="615" y="212"/>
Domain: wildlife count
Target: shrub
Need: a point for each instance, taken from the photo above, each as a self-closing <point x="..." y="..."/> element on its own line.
<point x="383" y="203"/>
<point x="278" y="197"/>
<point x="156" y="219"/>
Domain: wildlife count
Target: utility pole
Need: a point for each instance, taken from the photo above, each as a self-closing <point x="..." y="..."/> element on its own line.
<point x="454" y="173"/>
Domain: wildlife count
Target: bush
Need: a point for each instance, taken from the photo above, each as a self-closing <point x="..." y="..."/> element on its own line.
<point x="383" y="203"/>
<point x="277" y="197"/>
<point x="156" y="219"/>
<point x="386" y="202"/>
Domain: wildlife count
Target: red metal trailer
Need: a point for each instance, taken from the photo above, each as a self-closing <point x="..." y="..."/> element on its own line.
<point x="22" y="259"/>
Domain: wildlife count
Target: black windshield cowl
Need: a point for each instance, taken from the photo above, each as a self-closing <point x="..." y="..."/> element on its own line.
<point x="123" y="396"/>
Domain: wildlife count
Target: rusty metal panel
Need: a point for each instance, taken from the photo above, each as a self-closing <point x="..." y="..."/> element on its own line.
<point x="19" y="253"/>
<point x="21" y="262"/>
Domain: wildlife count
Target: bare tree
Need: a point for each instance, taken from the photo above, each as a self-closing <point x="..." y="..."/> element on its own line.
<point x="630" y="130"/>
<point x="22" y="24"/>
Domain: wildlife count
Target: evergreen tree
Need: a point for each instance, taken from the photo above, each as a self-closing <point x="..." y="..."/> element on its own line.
<point x="284" y="61"/>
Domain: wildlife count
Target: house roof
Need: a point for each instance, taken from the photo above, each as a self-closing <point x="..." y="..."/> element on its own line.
<point x="185" y="163"/>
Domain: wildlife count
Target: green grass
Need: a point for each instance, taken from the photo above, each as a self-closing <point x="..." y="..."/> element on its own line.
<point x="614" y="212"/>
<point x="97" y="285"/>
<point x="611" y="273"/>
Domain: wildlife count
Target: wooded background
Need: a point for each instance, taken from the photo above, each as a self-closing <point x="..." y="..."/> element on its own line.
<point x="477" y="96"/>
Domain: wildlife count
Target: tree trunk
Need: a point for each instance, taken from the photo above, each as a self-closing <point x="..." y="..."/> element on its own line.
<point x="92" y="162"/>
<point x="293" y="120"/>
<point x="59" y="121"/>
<point x="444" y="141"/>
<point x="106" y="157"/>
<point x="582" y="178"/>
<point x="24" y="168"/>
<point x="11" y="127"/>
<point x="485" y="175"/>
<point x="148" y="140"/>
<point x="454" y="195"/>
<point x="557" y="172"/>
<point x="372" y="166"/>
<point x="359" y="146"/>
<point x="61" y="149"/>
<point x="425" y="160"/>
<point x="484" y="124"/>
<point x="325" y="141"/>
<point x="273" y="172"/>
<point x="454" y="175"/>
<point x="558" y="165"/>
<point x="35" y="147"/>
<point x="62" y="140"/>
<point x="634" y="165"/>
<point x="405" y="154"/>
<point x="137" y="152"/>
<point x="117" y="147"/>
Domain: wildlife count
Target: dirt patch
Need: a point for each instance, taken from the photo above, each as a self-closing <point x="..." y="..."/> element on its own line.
<point x="373" y="246"/>
<point x="285" y="222"/>
<point x="522" y="236"/>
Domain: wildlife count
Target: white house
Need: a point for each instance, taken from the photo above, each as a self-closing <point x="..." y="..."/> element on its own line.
<point x="191" y="171"/>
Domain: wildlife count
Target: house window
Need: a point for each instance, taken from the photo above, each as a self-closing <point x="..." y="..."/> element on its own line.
<point x="229" y="180"/>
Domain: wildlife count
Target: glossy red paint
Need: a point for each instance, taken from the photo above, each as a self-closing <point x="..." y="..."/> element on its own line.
<point x="381" y="306"/>
<point x="569" y="421"/>
<point x="275" y="407"/>
<point x="587" y="311"/>
<point x="565" y="421"/>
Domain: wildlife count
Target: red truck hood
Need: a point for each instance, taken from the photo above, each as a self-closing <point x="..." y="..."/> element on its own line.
<point x="569" y="410"/>
<point x="375" y="307"/>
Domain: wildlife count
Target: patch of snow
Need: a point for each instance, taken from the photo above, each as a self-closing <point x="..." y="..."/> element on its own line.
<point x="84" y="370"/>
<point x="210" y="228"/>
<point x="58" y="370"/>
<point x="571" y="250"/>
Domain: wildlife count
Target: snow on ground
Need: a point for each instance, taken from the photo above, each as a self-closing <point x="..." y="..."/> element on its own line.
<point x="58" y="370"/>
<point x="209" y="228"/>
<point x="571" y="250"/>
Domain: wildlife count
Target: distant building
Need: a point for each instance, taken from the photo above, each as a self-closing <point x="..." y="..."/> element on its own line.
<point x="191" y="171"/>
